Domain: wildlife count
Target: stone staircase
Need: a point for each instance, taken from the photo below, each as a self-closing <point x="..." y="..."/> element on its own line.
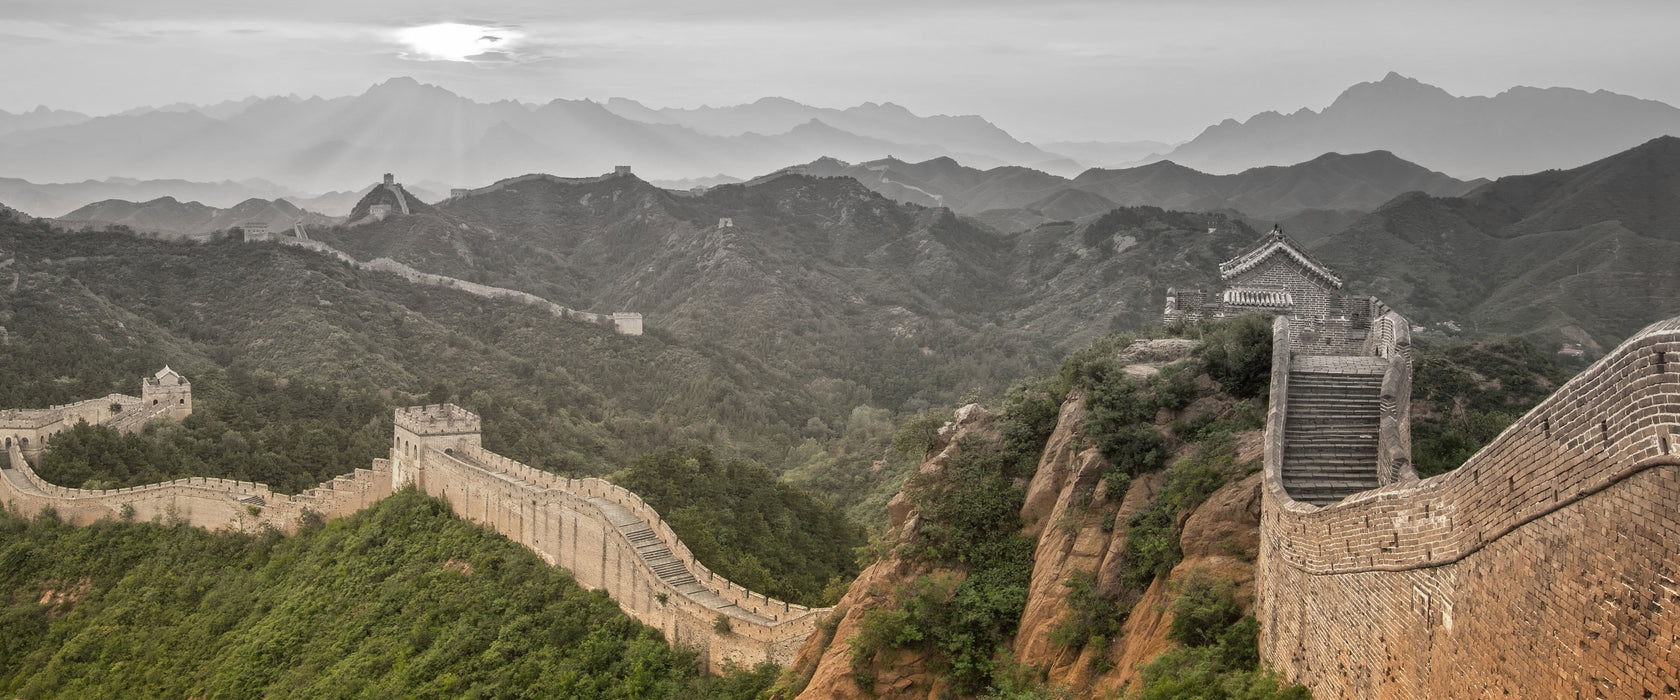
<point x="664" y="563"/>
<point x="1330" y="433"/>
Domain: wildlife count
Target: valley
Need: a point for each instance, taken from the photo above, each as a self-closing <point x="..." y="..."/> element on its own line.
<point x="866" y="351"/>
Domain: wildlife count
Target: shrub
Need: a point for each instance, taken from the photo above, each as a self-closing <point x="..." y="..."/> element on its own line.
<point x="1151" y="547"/>
<point x="1220" y="657"/>
<point x="1237" y="353"/>
<point x="1205" y="608"/>
<point x="913" y="438"/>
<point x="1133" y="449"/>
<point x="1092" y="618"/>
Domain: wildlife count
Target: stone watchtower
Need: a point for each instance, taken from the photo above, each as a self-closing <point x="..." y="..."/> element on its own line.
<point x="167" y="393"/>
<point x="1274" y="276"/>
<point x="419" y="428"/>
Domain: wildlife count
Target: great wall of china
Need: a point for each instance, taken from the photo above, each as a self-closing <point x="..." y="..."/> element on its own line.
<point x="1545" y="566"/>
<point x="625" y="322"/>
<point x="605" y="535"/>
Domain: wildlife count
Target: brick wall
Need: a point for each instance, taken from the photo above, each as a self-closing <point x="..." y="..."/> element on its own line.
<point x="1543" y="567"/>
<point x="560" y="520"/>
<point x="565" y="521"/>
<point x="213" y="504"/>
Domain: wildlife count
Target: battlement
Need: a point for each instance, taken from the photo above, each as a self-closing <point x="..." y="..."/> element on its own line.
<point x="437" y="419"/>
<point x="606" y="535"/>
<point x="28" y="418"/>
<point x="1407" y="590"/>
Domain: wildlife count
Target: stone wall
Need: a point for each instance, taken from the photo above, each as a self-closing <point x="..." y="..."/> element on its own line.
<point x="32" y="429"/>
<point x="213" y="504"/>
<point x="583" y="525"/>
<point x="625" y="323"/>
<point x="567" y="523"/>
<point x="1543" y="567"/>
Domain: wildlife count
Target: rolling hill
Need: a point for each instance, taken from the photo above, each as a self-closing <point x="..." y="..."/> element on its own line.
<point x="1317" y="193"/>
<point x="1586" y="254"/>
<point x="175" y="219"/>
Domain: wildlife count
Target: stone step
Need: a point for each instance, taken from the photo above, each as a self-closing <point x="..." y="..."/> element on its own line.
<point x="1329" y="378"/>
<point x="1334" y="462"/>
<point x="1330" y="444"/>
<point x="1345" y="431"/>
<point x="1297" y="403"/>
<point x="1332" y="456"/>
<point x="1302" y="421"/>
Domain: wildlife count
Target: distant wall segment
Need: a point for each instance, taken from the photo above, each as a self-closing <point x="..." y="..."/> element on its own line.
<point x="626" y="323"/>
<point x="1545" y="566"/>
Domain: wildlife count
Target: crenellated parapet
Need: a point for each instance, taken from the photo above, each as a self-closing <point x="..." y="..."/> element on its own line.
<point x="165" y="394"/>
<point x="438" y="420"/>
<point x="606" y="535"/>
<point x="610" y="539"/>
<point x="1542" y="567"/>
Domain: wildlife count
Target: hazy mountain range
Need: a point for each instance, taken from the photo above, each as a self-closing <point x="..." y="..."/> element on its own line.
<point x="54" y="200"/>
<point x="173" y="218"/>
<point x="1312" y="198"/>
<point x="1589" y="253"/>
<point x="1521" y="130"/>
<point x="424" y="132"/>
<point x="1319" y="194"/>
<point x="427" y="134"/>
<point x="1584" y="255"/>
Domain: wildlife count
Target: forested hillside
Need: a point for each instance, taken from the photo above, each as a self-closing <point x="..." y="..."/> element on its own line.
<point x="298" y="360"/>
<point x="403" y="600"/>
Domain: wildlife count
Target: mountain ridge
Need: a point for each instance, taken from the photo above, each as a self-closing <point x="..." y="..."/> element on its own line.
<point x="1520" y="130"/>
<point x="1584" y="254"/>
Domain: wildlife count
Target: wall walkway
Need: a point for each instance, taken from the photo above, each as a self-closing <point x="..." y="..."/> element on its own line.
<point x="1545" y="566"/>
<point x="610" y="540"/>
<point x="605" y="535"/>
<point x="618" y="321"/>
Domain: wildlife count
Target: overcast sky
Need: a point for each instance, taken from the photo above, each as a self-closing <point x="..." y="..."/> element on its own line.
<point x="1110" y="70"/>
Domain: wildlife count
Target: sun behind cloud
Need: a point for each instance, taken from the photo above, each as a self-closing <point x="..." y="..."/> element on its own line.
<point x="454" y="41"/>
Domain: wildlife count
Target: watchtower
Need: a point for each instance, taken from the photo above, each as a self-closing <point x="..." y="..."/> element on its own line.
<point x="167" y="393"/>
<point x="420" y="428"/>
<point x="627" y="323"/>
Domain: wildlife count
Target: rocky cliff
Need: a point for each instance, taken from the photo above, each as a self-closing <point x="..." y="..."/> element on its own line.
<point x="1088" y="622"/>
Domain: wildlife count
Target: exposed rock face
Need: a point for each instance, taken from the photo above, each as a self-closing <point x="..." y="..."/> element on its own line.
<point x="1076" y="528"/>
<point x="1146" y="357"/>
<point x="901" y="674"/>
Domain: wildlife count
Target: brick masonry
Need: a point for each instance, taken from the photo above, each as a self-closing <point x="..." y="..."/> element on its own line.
<point x="1545" y="566"/>
<point x="605" y="535"/>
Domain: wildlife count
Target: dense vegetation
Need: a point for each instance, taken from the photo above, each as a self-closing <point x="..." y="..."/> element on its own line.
<point x="93" y="313"/>
<point x="969" y="535"/>
<point x="289" y="435"/>
<point x="1218" y="654"/>
<point x="747" y="526"/>
<point x="402" y="600"/>
<point x="1472" y="393"/>
<point x="972" y="522"/>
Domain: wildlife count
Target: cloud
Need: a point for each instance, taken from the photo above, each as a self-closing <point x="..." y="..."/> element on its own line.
<point x="456" y="41"/>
